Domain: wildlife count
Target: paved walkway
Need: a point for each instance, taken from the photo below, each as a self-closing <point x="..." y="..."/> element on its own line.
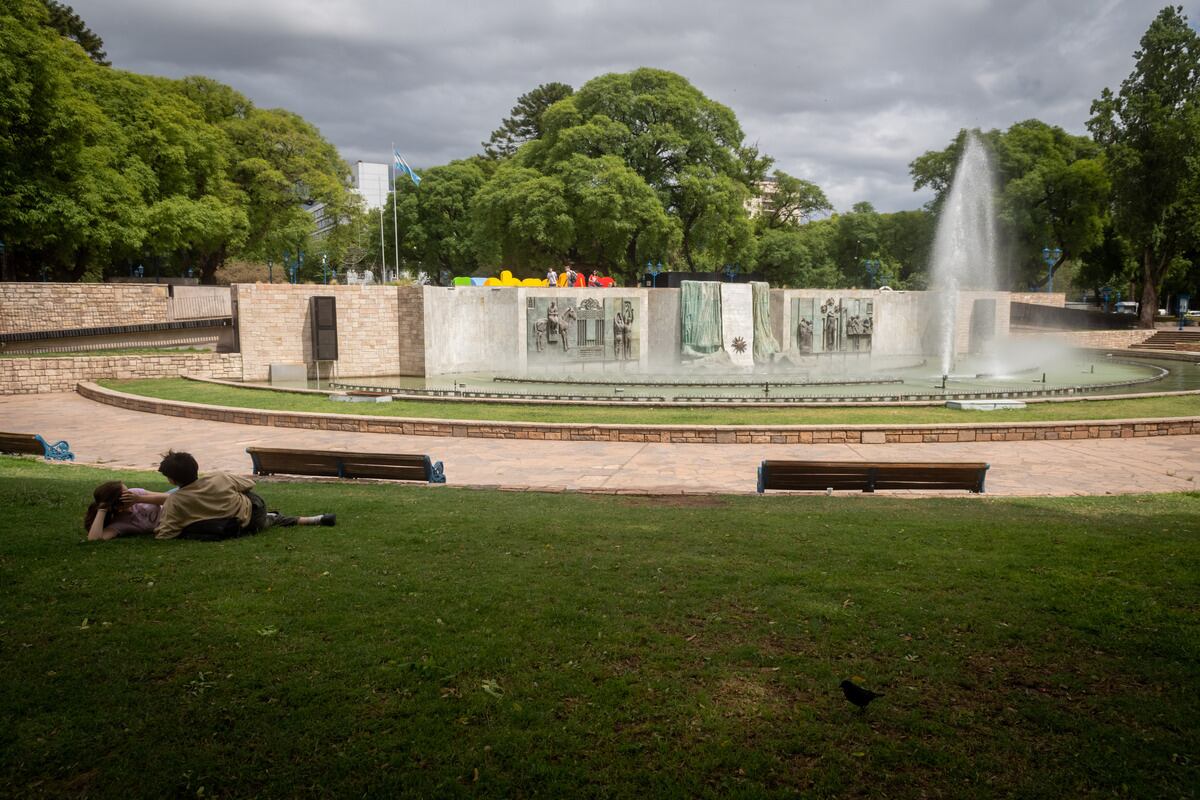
<point x="104" y="435"/>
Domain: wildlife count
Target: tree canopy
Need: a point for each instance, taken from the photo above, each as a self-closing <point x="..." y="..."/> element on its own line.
<point x="1150" y="132"/>
<point x="102" y="169"/>
<point x="524" y="122"/>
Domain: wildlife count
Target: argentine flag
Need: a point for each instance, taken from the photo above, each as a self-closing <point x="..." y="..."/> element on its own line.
<point x="401" y="166"/>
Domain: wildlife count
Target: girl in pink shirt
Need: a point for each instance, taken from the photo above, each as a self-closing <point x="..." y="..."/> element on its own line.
<point x="119" y="511"/>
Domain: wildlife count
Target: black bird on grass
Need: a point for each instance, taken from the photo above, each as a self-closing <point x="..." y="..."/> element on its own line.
<point x="857" y="694"/>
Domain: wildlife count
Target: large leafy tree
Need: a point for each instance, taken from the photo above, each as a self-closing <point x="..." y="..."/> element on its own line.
<point x="1150" y="132"/>
<point x="524" y="122"/>
<point x="66" y="197"/>
<point x="685" y="147"/>
<point x="101" y="169"/>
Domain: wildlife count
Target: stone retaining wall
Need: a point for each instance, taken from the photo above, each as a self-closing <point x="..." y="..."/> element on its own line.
<point x="1099" y="340"/>
<point x="672" y="434"/>
<point x="1054" y="299"/>
<point x="36" y="375"/>
<point x="28" y="307"/>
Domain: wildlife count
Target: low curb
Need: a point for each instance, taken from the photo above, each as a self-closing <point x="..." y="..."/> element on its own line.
<point x="949" y="433"/>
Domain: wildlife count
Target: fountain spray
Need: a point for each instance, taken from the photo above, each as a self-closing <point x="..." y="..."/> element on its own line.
<point x="964" y="250"/>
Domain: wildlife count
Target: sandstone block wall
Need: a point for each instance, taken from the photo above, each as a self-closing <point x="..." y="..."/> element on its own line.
<point x="1114" y="340"/>
<point x="274" y="324"/>
<point x="38" y="375"/>
<point x="1055" y="299"/>
<point x="26" y="307"/>
<point x="410" y="308"/>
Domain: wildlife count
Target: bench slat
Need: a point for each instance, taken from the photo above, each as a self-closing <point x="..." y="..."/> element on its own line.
<point x="345" y="464"/>
<point x="869" y="476"/>
<point x="20" y="443"/>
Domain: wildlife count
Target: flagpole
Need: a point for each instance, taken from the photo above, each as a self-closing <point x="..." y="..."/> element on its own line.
<point x="382" y="251"/>
<point x="395" y="225"/>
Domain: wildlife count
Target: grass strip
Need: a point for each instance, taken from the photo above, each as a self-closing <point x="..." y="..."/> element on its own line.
<point x="238" y="397"/>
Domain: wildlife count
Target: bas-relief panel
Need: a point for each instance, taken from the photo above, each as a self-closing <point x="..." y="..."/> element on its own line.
<point x="565" y="328"/>
<point x="832" y="325"/>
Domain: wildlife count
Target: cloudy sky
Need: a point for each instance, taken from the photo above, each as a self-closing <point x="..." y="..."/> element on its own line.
<point x="844" y="93"/>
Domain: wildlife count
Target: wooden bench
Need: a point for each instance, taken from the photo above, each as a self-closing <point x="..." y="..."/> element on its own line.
<point x="867" y="476"/>
<point x="339" y="464"/>
<point x="35" y="445"/>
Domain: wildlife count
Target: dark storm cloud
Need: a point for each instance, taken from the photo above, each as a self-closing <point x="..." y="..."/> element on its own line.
<point x="842" y="93"/>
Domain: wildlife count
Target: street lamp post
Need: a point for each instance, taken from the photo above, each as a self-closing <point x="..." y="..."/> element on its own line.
<point x="270" y="270"/>
<point x="654" y="271"/>
<point x="1050" y="255"/>
<point x="730" y="271"/>
<point x="873" y="267"/>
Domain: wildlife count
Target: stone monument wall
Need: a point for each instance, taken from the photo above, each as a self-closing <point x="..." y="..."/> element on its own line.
<point x="471" y="329"/>
<point x="274" y="326"/>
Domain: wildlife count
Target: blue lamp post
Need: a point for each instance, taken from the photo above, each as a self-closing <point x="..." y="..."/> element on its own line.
<point x="873" y="266"/>
<point x="325" y="268"/>
<point x="654" y="271"/>
<point x="730" y="271"/>
<point x="1106" y="293"/>
<point x="1050" y="255"/>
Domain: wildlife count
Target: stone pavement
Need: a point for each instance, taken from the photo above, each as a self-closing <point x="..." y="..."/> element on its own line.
<point x="105" y="435"/>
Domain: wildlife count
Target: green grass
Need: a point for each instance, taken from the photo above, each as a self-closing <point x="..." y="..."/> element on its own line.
<point x="448" y="642"/>
<point x="115" y="351"/>
<point x="195" y="392"/>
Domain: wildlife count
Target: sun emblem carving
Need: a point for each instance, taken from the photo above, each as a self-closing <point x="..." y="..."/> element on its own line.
<point x="739" y="344"/>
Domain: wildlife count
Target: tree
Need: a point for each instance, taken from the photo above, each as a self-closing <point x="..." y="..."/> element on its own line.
<point x="69" y="24"/>
<point x="687" y="148"/>
<point x="798" y="257"/>
<point x="791" y="201"/>
<point x="280" y="162"/>
<point x="1150" y="132"/>
<point x="524" y="122"/>
<point x="435" y="220"/>
<point x="522" y="219"/>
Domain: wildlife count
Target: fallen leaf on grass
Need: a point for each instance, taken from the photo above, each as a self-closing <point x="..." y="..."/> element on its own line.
<point x="491" y="687"/>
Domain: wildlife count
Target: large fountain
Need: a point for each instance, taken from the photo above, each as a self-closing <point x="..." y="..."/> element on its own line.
<point x="724" y="342"/>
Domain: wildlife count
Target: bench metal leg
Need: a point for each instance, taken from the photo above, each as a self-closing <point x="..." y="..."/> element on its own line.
<point x="435" y="471"/>
<point x="762" y="488"/>
<point x="59" y="451"/>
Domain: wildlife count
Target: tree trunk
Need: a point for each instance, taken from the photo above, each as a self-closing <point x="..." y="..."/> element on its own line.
<point x="1148" y="306"/>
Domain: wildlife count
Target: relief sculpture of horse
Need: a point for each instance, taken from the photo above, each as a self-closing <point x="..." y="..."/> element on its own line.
<point x="555" y="324"/>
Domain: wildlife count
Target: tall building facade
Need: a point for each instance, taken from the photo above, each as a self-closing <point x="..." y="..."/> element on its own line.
<point x="371" y="180"/>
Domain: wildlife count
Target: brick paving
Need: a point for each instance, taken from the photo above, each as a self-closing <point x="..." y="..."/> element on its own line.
<point x="105" y="435"/>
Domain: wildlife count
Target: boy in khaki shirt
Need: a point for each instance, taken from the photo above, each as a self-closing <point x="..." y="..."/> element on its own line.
<point x="216" y="506"/>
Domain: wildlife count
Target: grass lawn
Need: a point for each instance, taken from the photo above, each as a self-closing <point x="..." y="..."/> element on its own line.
<point x="447" y="642"/>
<point x="214" y="394"/>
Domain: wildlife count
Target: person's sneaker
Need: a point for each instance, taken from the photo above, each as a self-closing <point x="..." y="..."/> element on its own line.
<point x="329" y="520"/>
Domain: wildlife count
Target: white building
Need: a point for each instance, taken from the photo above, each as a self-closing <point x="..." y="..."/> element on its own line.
<point x="371" y="180"/>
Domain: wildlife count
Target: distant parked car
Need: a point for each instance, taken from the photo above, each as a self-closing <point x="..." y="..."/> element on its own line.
<point x="1126" y="307"/>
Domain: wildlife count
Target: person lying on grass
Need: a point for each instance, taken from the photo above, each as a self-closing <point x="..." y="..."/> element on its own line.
<point x="117" y="510"/>
<point x="216" y="506"/>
